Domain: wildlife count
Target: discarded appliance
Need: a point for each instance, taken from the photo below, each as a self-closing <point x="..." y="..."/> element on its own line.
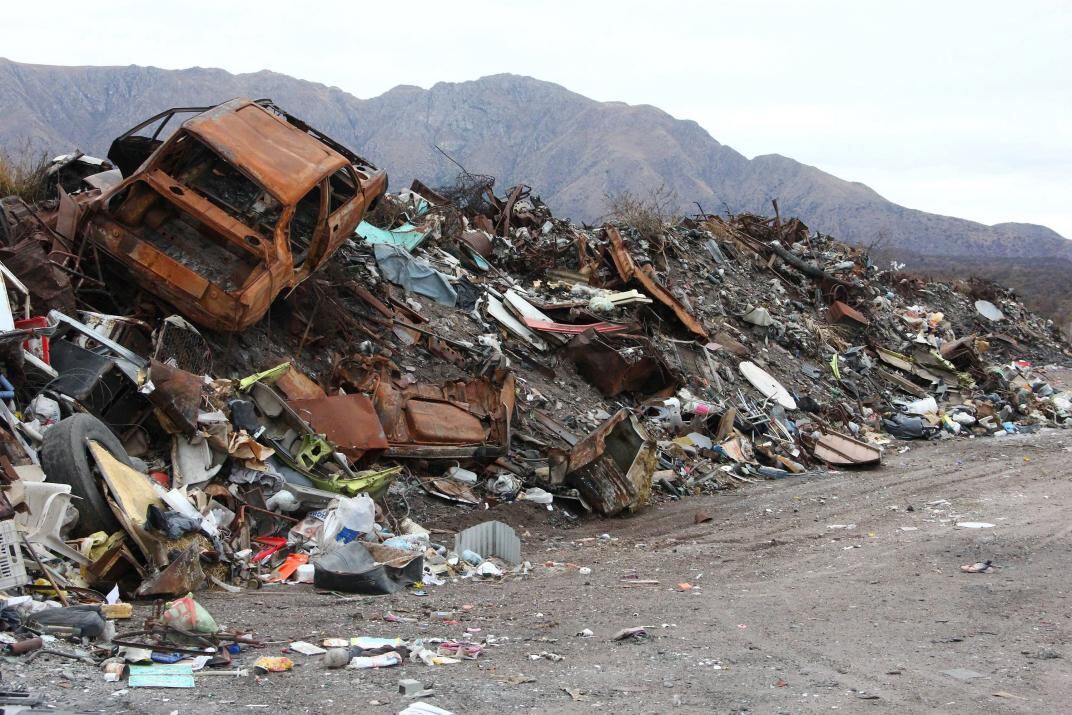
<point x="612" y="467"/>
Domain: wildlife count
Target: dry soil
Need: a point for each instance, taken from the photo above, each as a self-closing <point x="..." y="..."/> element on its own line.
<point x="833" y="592"/>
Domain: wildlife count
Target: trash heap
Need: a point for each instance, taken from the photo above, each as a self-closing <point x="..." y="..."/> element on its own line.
<point x="459" y="347"/>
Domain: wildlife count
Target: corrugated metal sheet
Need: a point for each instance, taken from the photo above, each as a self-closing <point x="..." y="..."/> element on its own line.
<point x="492" y="538"/>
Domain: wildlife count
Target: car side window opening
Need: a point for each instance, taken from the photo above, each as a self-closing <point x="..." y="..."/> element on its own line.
<point x="303" y="225"/>
<point x="343" y="188"/>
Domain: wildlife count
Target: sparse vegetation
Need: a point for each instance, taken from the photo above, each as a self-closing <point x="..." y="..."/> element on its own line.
<point x="881" y="238"/>
<point x="24" y="173"/>
<point x="647" y="214"/>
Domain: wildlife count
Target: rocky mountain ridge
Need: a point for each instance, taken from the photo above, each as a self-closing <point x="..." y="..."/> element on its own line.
<point x="573" y="150"/>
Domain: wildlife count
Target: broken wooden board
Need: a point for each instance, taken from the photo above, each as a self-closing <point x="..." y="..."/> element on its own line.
<point x="844" y="451"/>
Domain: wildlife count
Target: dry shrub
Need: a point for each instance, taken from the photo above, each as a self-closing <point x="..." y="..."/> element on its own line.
<point x="24" y="173"/>
<point x="648" y="214"/>
<point x="468" y="193"/>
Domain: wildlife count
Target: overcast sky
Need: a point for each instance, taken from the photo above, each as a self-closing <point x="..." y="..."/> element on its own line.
<point x="959" y="108"/>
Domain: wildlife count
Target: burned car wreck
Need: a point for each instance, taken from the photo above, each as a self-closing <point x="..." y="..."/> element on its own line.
<point x="240" y="203"/>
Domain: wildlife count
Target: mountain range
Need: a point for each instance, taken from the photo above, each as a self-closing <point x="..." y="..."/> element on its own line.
<point x="573" y="151"/>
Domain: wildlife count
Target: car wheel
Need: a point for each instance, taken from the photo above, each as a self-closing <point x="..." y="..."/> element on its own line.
<point x="66" y="459"/>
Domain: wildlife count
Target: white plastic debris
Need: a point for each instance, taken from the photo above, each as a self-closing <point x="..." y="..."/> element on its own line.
<point x="758" y="316"/>
<point x="924" y="406"/>
<point x="989" y="311"/>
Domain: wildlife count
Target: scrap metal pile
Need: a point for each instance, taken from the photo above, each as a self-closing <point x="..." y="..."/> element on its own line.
<point x="234" y="360"/>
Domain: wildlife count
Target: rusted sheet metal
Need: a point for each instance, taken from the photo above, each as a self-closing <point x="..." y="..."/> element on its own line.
<point x="286" y="161"/>
<point x="427" y="193"/>
<point x="183" y="575"/>
<point x="296" y="385"/>
<point x="844" y="451"/>
<point x="644" y="275"/>
<point x="612" y="467"/>
<point x="601" y="363"/>
<point x="840" y="311"/>
<point x="241" y="203"/>
<point x="478" y="241"/>
<point x="442" y="350"/>
<point x="555" y="427"/>
<point x="347" y="421"/>
<point x="458" y="419"/>
<point x="35" y="255"/>
<point x="962" y="353"/>
<point x="516" y="193"/>
<point x="176" y="394"/>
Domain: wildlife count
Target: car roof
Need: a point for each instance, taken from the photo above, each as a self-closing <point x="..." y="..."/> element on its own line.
<point x="284" y="160"/>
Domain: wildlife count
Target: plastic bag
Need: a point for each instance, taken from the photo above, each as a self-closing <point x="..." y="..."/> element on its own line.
<point x="535" y="494"/>
<point x="351" y="517"/>
<point x="189" y="615"/>
<point x="506" y="485"/>
<point x="924" y="406"/>
<point x="601" y="304"/>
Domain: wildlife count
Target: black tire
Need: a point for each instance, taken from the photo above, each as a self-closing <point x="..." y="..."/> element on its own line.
<point x="65" y="459"/>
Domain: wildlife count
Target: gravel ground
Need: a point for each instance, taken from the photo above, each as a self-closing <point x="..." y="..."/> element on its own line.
<point x="783" y="611"/>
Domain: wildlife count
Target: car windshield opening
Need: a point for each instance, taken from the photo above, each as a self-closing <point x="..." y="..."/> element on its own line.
<point x="195" y="165"/>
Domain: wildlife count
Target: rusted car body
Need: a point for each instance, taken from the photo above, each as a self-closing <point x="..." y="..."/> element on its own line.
<point x="241" y="202"/>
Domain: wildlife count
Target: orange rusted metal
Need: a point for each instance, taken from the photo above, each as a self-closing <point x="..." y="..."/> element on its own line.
<point x="612" y="467"/>
<point x="242" y="202"/>
<point x="840" y="312"/>
<point x="348" y="421"/>
<point x="286" y="163"/>
<point x="455" y="420"/>
<point x="644" y="275"/>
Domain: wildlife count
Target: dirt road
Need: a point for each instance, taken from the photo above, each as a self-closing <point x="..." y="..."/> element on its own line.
<point x="835" y="592"/>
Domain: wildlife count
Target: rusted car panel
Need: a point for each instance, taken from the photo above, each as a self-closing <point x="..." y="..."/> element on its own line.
<point x="287" y="164"/>
<point x="348" y="421"/>
<point x="242" y="202"/>
<point x="612" y="467"/>
<point x="460" y="419"/>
